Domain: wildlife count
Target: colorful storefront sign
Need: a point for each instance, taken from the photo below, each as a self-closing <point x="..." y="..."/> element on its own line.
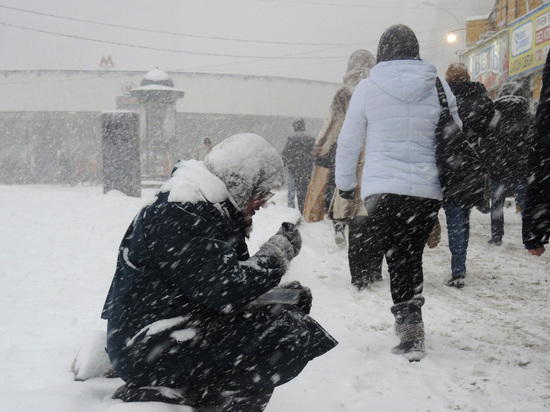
<point x="529" y="41"/>
<point x="488" y="62"/>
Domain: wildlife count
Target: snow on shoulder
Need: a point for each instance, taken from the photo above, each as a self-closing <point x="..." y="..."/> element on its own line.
<point x="192" y="182"/>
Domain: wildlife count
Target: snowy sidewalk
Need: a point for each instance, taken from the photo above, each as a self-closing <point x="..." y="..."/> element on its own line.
<point x="487" y="343"/>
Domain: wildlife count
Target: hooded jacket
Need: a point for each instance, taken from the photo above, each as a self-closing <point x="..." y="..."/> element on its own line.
<point x="359" y="66"/>
<point x="475" y="109"/>
<point x="506" y="149"/>
<point x="396" y="110"/>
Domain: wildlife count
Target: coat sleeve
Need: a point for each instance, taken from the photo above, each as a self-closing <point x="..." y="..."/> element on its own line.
<point x="351" y="138"/>
<point x="195" y="256"/>
<point x="536" y="216"/>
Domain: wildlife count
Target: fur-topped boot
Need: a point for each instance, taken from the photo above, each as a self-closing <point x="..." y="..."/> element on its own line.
<point x="410" y="329"/>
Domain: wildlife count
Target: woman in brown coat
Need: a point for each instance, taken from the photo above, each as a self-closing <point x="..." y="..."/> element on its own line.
<point x="365" y="259"/>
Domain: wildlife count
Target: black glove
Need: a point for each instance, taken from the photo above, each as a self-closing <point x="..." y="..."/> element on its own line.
<point x="306" y="298"/>
<point x="347" y="194"/>
<point x="291" y="233"/>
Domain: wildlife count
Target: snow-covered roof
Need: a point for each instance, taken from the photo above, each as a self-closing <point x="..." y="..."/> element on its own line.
<point x="157" y="75"/>
<point x="157" y="87"/>
<point x="480" y="17"/>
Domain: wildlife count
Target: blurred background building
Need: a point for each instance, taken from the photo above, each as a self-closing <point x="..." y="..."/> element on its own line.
<point x="50" y="120"/>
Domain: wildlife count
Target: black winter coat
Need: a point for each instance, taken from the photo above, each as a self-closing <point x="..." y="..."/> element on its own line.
<point x="298" y="154"/>
<point x="475" y="109"/>
<point x="177" y="307"/>
<point x="536" y="216"/>
<point x="458" y="154"/>
<point x="505" y="150"/>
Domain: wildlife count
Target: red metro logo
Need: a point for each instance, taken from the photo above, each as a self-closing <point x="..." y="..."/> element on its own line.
<point x="106" y="63"/>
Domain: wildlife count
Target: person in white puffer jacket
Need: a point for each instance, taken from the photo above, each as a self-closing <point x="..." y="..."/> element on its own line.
<point x="396" y="109"/>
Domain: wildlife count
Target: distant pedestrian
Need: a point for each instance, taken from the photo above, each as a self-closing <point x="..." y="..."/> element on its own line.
<point x="476" y="110"/>
<point x="506" y="151"/>
<point x="203" y="149"/>
<point x="299" y="160"/>
<point x="394" y="112"/>
<point x="536" y="216"/>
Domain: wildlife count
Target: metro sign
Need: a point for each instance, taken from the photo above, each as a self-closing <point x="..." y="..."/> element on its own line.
<point x="106" y="63"/>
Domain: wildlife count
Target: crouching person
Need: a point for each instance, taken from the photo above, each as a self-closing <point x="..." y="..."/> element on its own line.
<point x="184" y="321"/>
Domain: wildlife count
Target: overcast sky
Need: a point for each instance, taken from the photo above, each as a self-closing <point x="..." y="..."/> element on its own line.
<point x="309" y="39"/>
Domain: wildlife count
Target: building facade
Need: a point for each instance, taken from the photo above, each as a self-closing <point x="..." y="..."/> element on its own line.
<point x="510" y="44"/>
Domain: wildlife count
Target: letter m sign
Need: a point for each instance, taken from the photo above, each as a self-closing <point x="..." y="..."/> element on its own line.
<point x="106" y="63"/>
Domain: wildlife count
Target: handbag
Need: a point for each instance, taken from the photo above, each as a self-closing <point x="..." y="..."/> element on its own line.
<point x="461" y="171"/>
<point x="314" y="205"/>
<point x="435" y="235"/>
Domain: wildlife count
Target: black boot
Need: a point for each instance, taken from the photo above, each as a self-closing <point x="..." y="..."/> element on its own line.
<point x="130" y="393"/>
<point x="238" y="401"/>
<point x="410" y="329"/>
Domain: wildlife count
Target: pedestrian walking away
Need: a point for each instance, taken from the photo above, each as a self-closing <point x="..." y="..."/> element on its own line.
<point x="298" y="159"/>
<point x="324" y="152"/>
<point x="476" y="110"/>
<point x="400" y="180"/>
<point x="505" y="152"/>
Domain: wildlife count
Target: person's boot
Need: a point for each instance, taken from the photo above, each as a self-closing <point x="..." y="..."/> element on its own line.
<point x="410" y="329"/>
<point x="340" y="235"/>
<point x="238" y="401"/>
<point x="131" y="393"/>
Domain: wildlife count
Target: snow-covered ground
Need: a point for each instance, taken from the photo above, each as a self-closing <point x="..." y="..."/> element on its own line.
<point x="488" y="344"/>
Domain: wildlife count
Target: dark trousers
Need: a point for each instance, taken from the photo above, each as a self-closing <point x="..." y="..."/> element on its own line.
<point x="301" y="183"/>
<point x="458" y="229"/>
<point x="498" y="196"/>
<point x="402" y="225"/>
<point x="248" y="353"/>
<point x="499" y="190"/>
<point x="365" y="254"/>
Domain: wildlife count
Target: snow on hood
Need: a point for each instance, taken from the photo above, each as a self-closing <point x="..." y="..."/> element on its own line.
<point x="406" y="80"/>
<point x="192" y="182"/>
<point x="248" y="165"/>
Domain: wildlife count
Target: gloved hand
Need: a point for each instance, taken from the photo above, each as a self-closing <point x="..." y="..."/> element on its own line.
<point x="291" y="233"/>
<point x="347" y="194"/>
<point x="306" y="298"/>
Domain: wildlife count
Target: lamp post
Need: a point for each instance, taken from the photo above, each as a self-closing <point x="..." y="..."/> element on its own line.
<point x="451" y="37"/>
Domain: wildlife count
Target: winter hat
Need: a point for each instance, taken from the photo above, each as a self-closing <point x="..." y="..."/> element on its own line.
<point x="398" y="42"/>
<point x="248" y="166"/>
<point x="359" y="65"/>
<point x="299" y="125"/>
<point x="457" y="72"/>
